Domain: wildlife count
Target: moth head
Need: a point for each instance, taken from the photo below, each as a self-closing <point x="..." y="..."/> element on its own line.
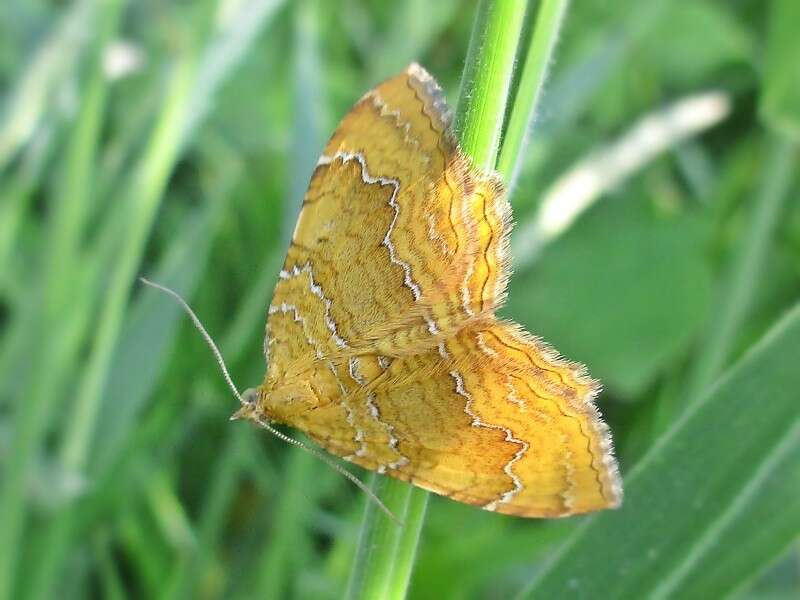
<point x="249" y="407"/>
<point x="287" y="402"/>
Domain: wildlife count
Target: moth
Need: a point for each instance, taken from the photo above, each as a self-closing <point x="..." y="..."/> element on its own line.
<point x="382" y="341"/>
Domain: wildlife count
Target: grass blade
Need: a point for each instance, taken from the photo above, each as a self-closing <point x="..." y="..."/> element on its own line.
<point x="488" y="74"/>
<point x="384" y="558"/>
<point x="230" y="43"/>
<point x="379" y="541"/>
<point x="406" y="551"/>
<point x="51" y="363"/>
<point x="534" y="72"/>
<point x="145" y="197"/>
<point x="779" y="105"/>
<point x="744" y="428"/>
<point x="35" y="90"/>
<point x="747" y="267"/>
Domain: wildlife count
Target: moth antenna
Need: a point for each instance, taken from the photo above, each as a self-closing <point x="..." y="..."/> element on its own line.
<point x="206" y="336"/>
<point x="336" y="467"/>
<point x="263" y="423"/>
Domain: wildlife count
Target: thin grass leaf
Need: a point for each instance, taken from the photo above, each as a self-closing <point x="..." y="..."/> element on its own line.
<point x="235" y="32"/>
<point x="570" y="94"/>
<point x="111" y="582"/>
<point x="144" y="199"/>
<point x="151" y="324"/>
<point x="285" y="551"/>
<point x="379" y="542"/>
<point x="488" y="75"/>
<point x="534" y="72"/>
<point x="16" y="191"/>
<point x="739" y="290"/>
<point x="189" y="570"/>
<point x="414" y="26"/>
<point x="33" y="94"/>
<point x="407" y="545"/>
<point x="167" y="511"/>
<point x="148" y="560"/>
<point x="779" y="104"/>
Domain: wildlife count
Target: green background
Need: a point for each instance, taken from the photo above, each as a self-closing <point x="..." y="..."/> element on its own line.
<point x="121" y="475"/>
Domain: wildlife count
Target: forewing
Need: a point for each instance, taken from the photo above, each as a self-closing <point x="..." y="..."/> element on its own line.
<point x="399" y="240"/>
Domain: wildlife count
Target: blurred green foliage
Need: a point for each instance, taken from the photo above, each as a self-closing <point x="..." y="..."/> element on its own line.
<point x="175" y="139"/>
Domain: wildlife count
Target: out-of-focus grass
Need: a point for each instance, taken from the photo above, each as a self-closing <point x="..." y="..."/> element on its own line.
<point x="120" y="474"/>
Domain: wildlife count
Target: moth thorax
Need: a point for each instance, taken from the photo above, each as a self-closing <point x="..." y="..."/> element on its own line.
<point x="285" y="402"/>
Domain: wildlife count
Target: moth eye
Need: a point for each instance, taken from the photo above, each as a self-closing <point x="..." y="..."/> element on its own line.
<point x="250" y="396"/>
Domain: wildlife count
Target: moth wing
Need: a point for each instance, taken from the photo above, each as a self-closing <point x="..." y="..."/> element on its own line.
<point x="491" y="418"/>
<point x="399" y="240"/>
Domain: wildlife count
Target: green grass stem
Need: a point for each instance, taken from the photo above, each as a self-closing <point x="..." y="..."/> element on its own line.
<point x="534" y="72"/>
<point x="487" y="79"/>
<point x="385" y="556"/>
<point x="406" y="549"/>
<point x="379" y="541"/>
